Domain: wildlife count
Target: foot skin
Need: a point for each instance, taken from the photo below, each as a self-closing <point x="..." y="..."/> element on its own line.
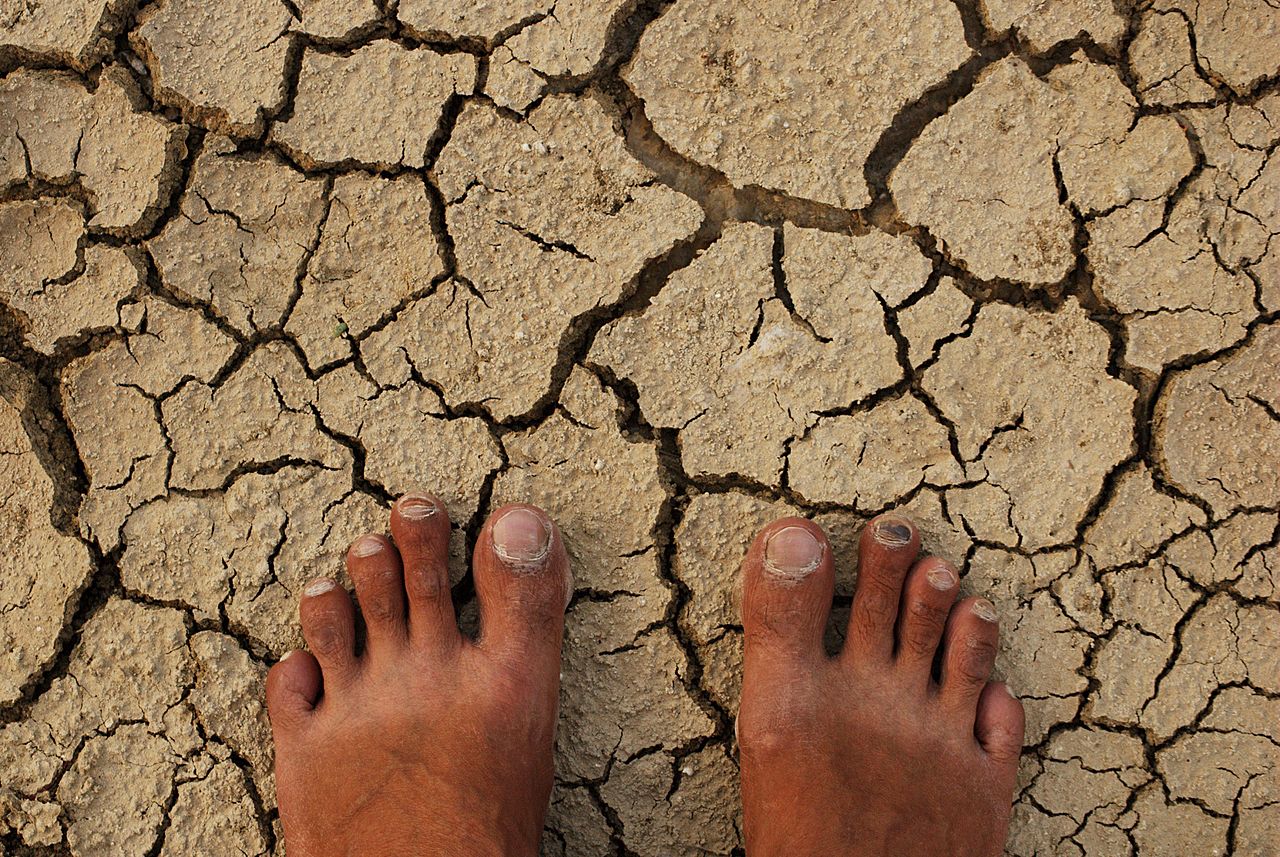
<point x="866" y="753"/>
<point x="425" y="742"/>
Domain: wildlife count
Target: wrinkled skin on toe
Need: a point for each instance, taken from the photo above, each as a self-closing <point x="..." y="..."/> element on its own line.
<point x="870" y="753"/>
<point x="425" y="742"/>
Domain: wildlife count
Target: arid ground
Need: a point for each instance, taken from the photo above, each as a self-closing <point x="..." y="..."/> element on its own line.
<point x="670" y="270"/>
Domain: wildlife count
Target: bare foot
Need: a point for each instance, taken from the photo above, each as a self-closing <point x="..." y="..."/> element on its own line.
<point x="424" y="743"/>
<point x="865" y="753"/>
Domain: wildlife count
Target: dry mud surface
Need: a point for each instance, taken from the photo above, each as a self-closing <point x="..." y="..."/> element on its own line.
<point x="669" y="269"/>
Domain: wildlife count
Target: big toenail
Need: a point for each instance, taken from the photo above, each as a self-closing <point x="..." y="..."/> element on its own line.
<point x="792" y="553"/>
<point x="983" y="609"/>
<point x="521" y="538"/>
<point x="319" y="586"/>
<point x="366" y="546"/>
<point x="415" y="507"/>
<point x="892" y="532"/>
<point x="1009" y="691"/>
<point x="941" y="577"/>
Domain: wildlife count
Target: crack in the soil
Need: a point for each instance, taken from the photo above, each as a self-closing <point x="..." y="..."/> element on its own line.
<point x="46" y="423"/>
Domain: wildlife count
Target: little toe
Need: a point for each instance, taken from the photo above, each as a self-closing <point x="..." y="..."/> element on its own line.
<point x="788" y="579"/>
<point x="522" y="583"/>
<point x="329" y="627"/>
<point x="1000" y="723"/>
<point x="886" y="551"/>
<point x="969" y="654"/>
<point x="293" y="687"/>
<point x="930" y="591"/>
<point x="420" y="526"/>
<point x="374" y="566"/>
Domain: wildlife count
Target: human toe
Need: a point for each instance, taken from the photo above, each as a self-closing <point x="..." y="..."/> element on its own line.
<point x="421" y="529"/>
<point x="522" y="579"/>
<point x="969" y="654"/>
<point x="1000" y="723"/>
<point x="374" y="566"/>
<point x="328" y="625"/>
<point x="886" y="552"/>
<point x="929" y="593"/>
<point x="788" y="578"/>
<point x="293" y="687"/>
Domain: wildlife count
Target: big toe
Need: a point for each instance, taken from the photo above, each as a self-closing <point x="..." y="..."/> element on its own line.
<point x="522" y="582"/>
<point x="788" y="579"/>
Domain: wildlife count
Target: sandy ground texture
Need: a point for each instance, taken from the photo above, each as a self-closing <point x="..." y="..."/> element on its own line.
<point x="670" y="270"/>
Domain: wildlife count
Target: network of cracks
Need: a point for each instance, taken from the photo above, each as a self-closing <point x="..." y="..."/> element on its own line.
<point x="669" y="270"/>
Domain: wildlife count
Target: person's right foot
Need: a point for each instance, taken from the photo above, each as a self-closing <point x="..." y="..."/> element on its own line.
<point x="866" y="753"/>
<point x="426" y="742"/>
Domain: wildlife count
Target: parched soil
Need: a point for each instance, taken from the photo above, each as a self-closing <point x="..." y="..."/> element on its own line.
<point x="669" y="270"/>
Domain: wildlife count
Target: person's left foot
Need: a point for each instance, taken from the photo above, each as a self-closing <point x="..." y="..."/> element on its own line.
<point x="424" y="743"/>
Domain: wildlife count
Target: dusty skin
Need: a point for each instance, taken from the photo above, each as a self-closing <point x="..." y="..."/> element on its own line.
<point x="868" y="753"/>
<point x="865" y="753"/>
<point x="482" y="784"/>
<point x="670" y="271"/>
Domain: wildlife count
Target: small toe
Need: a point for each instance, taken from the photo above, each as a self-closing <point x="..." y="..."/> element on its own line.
<point x="969" y="655"/>
<point x="930" y="591"/>
<point x="522" y="583"/>
<point x="420" y="526"/>
<point x="1000" y="723"/>
<point x="788" y="578"/>
<point x="886" y="552"/>
<point x="374" y="566"/>
<point x="293" y="687"/>
<point x="329" y="627"/>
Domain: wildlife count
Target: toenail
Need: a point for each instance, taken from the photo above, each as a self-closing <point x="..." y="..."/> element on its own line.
<point x="366" y="546"/>
<point x="521" y="538"/>
<point x="415" y="507"/>
<point x="892" y="532"/>
<point x="792" y="553"/>
<point x="1009" y="691"/>
<point x="983" y="609"/>
<point x="319" y="586"/>
<point x="941" y="577"/>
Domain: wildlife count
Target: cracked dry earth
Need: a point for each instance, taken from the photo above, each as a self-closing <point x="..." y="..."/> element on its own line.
<point x="669" y="270"/>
